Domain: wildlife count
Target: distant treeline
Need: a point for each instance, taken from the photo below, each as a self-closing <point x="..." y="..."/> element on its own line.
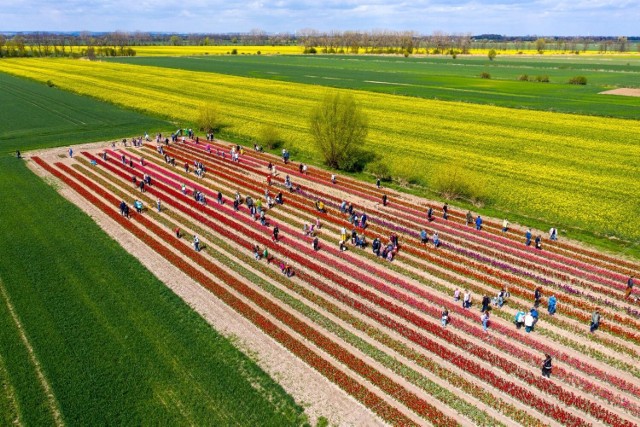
<point x="63" y="44"/>
<point x="119" y="43"/>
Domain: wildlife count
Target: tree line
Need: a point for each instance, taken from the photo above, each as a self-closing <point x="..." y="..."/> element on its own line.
<point x="122" y="43"/>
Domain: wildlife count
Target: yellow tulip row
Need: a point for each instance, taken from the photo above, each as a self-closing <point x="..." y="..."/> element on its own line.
<point x="566" y="169"/>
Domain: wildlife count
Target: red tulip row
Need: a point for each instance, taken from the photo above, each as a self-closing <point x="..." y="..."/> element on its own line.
<point x="567" y="397"/>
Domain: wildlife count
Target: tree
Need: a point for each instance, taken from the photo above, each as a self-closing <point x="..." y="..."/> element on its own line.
<point x="208" y="118"/>
<point x="492" y="54"/>
<point x="541" y="44"/>
<point x="175" y="40"/>
<point x="339" y="128"/>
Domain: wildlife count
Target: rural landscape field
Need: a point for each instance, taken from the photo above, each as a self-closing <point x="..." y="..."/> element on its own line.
<point x="198" y="306"/>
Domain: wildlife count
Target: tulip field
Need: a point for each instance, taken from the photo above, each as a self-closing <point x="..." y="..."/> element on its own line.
<point x="578" y="173"/>
<point x="372" y="326"/>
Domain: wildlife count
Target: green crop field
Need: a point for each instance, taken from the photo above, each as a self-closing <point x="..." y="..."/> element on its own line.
<point x="115" y="345"/>
<point x="445" y="78"/>
<point x="34" y="115"/>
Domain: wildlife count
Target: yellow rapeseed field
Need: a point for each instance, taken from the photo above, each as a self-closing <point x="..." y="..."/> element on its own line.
<point x="567" y="169"/>
<point x="216" y="50"/>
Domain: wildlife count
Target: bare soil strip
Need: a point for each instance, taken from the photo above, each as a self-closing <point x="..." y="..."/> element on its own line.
<point x="623" y="91"/>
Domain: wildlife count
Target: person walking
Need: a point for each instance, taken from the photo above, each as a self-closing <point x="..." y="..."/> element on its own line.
<point x="529" y="321"/>
<point x="423" y="236"/>
<point x="527" y="237"/>
<point x="436" y="239"/>
<point x="595" y="321"/>
<point x="552" y="305"/>
<point x="70" y="152"/>
<point x="466" y="299"/>
<point x="314" y="243"/>
<point x="505" y="226"/>
<point x="469" y="218"/>
<point x="630" y="284"/>
<point x="196" y="243"/>
<point x="518" y="319"/>
<point x="553" y="234"/>
<point x="537" y="295"/>
<point x="384" y="200"/>
<point x="445" y="210"/>
<point x="378" y="183"/>
<point x="444" y="319"/>
<point x="456" y="295"/>
<point x="430" y="214"/>
<point x="546" y="366"/>
<point x="276" y="231"/>
<point x="159" y="205"/>
<point x="485" y="321"/>
<point x="538" y="242"/>
<point x="333" y="178"/>
<point x="485" y="303"/>
<point x="265" y="255"/>
<point x="479" y="223"/>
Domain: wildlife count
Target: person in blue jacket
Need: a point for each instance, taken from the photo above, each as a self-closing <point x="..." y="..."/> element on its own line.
<point x="479" y="223"/>
<point x="552" y="305"/>
<point x="527" y="237"/>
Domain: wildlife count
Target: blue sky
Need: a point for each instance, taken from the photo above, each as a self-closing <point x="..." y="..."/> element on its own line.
<point x="519" y="17"/>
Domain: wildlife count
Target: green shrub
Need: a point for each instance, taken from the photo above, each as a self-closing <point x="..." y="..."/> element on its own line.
<point x="234" y="52"/>
<point x="523" y="77"/>
<point x="453" y="182"/>
<point x="269" y="136"/>
<point x="485" y="75"/>
<point x="578" y="80"/>
<point x="50" y="83"/>
<point x="542" y="79"/>
<point x="380" y="170"/>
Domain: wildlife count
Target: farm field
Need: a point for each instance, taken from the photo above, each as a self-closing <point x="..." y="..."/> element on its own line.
<point x="91" y="337"/>
<point x="216" y="50"/>
<point x="444" y="78"/>
<point x="33" y="115"/>
<point x="575" y="172"/>
<point x="373" y="326"/>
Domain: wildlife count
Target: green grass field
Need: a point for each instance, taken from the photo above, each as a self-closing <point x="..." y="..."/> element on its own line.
<point x="34" y="115"/>
<point x="445" y="78"/>
<point x="115" y="345"/>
